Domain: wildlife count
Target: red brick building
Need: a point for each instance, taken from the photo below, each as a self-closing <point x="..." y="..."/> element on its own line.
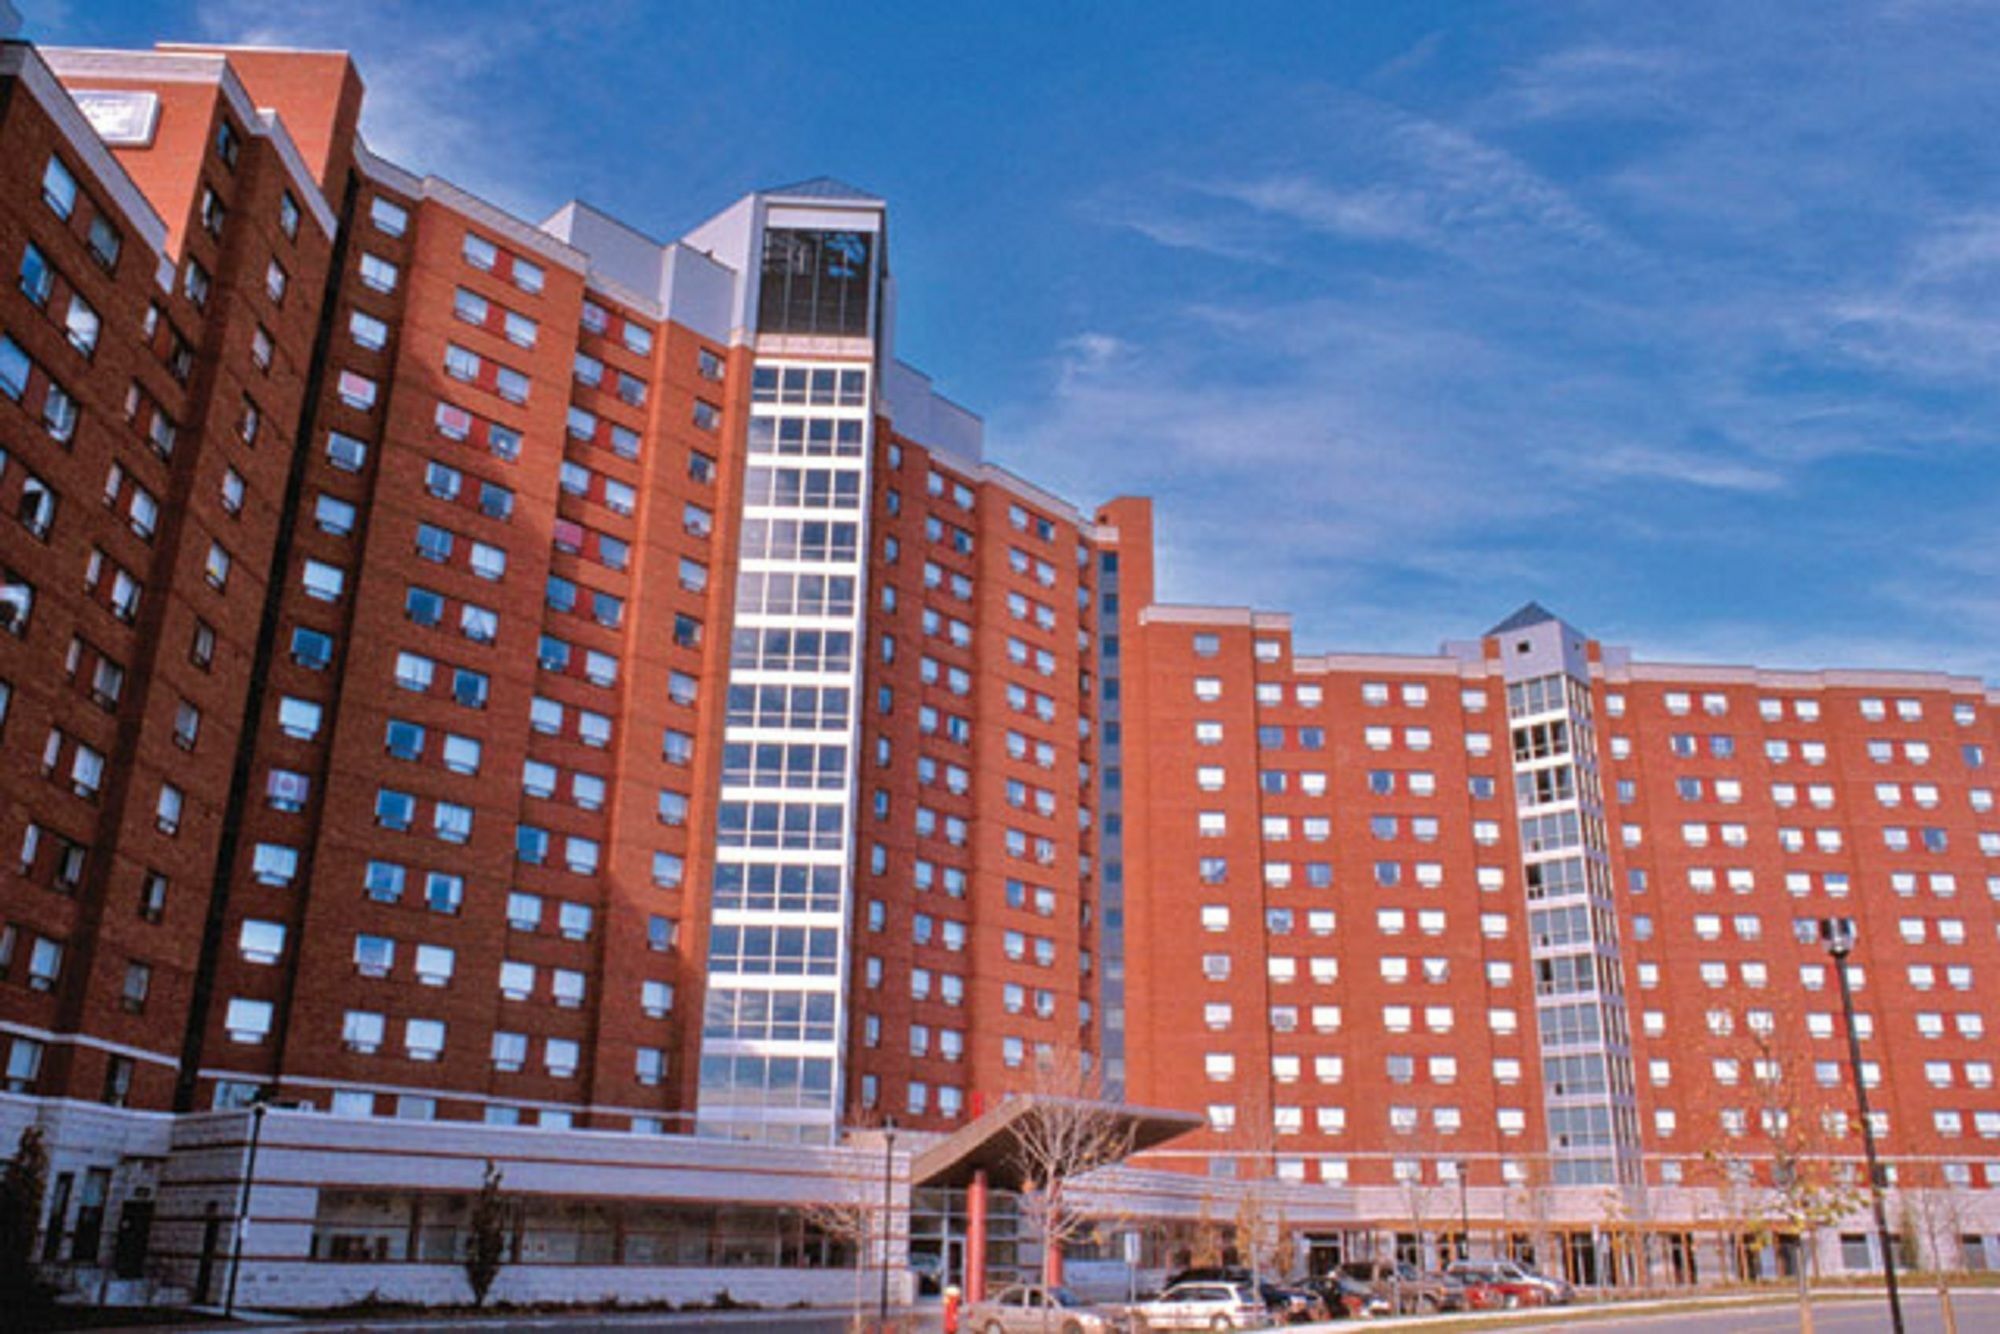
<point x="1537" y="917"/>
<point x="468" y="669"/>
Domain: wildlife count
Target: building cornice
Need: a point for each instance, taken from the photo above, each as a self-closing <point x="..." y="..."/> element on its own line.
<point x="31" y="67"/>
<point x="76" y="64"/>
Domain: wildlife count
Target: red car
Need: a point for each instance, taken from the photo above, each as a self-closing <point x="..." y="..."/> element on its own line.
<point x="1469" y="1292"/>
<point x="1496" y="1285"/>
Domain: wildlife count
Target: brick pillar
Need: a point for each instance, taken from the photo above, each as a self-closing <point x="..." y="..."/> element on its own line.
<point x="975" y="1238"/>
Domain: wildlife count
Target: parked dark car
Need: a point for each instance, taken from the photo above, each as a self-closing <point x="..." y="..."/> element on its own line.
<point x="1404" y="1286"/>
<point x="1294" y="1304"/>
<point x="1347" y="1299"/>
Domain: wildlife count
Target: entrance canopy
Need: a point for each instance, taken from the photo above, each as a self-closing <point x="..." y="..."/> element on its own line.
<point x="992" y="1143"/>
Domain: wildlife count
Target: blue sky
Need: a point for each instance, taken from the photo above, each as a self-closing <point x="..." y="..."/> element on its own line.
<point x="1681" y="319"/>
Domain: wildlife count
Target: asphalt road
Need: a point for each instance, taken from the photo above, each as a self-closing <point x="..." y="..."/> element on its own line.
<point x="741" y="1322"/>
<point x="1977" y="1311"/>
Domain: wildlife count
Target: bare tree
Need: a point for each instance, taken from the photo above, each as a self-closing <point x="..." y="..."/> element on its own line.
<point x="1261" y="1227"/>
<point x="854" y="1216"/>
<point x="1939" y="1212"/>
<point x="1532" y="1198"/>
<point x="1420" y="1207"/>
<point x="1206" y="1248"/>
<point x="1806" y="1188"/>
<point x="1065" y="1129"/>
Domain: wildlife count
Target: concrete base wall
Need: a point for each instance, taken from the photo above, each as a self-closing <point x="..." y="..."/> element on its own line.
<point x="190" y="1171"/>
<point x="305" y="1285"/>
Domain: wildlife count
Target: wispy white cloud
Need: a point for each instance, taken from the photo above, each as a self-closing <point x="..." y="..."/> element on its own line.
<point x="1936" y="317"/>
<point x="1374" y="212"/>
<point x="1594" y="79"/>
<point x="1633" y="324"/>
<point x="430" y="71"/>
<point x="1402" y="179"/>
<point x="1143" y="213"/>
<point x="1685" y="467"/>
<point x="1414" y="58"/>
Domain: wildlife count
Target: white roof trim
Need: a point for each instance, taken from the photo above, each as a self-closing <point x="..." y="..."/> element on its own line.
<point x="80" y="63"/>
<point x="27" y="63"/>
<point x="523" y="234"/>
<point x="596" y="281"/>
<point x="1181" y="613"/>
<point x="273" y="126"/>
<point x="54" y="1039"/>
<point x="1831" y="678"/>
<point x="352" y="1085"/>
<point x="1056" y="506"/>
<point x="382" y="171"/>
<point x="1163" y="613"/>
<point x="526" y="235"/>
<point x="1405" y="663"/>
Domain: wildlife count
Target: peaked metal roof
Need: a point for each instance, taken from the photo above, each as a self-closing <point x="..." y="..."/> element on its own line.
<point x="1533" y="613"/>
<point x="825" y="187"/>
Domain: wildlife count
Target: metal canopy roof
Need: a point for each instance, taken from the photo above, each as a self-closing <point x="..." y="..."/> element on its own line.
<point x="991" y="1142"/>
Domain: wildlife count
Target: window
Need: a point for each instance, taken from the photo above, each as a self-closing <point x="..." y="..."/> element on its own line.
<point x="274" y="864"/>
<point x="167" y="809"/>
<point x="82" y="325"/>
<point x="345" y="452"/>
<point x="452" y="822"/>
<point x="247" y="1021"/>
<point x="58" y="188"/>
<point x="362" y="1030"/>
<point x="298" y="719"/>
<point x="196" y="285"/>
<point x="423" y="1039"/>
<point x="393" y="809"/>
<point x="366" y="331"/>
<point x="261" y="942"/>
<point x="377" y="273"/>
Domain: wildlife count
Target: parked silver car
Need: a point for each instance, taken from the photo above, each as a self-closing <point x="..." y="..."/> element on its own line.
<point x="1199" y="1305"/>
<point x="1029" y="1308"/>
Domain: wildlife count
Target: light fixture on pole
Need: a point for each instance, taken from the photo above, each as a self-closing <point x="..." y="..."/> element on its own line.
<point x="258" y="1106"/>
<point x="1464" y="1218"/>
<point x="888" y="1188"/>
<point x="1837" y="934"/>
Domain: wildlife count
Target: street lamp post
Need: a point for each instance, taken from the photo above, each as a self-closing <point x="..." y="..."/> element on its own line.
<point x="257" y="1109"/>
<point x="1837" y="933"/>
<point x="888" y="1215"/>
<point x="1464" y="1218"/>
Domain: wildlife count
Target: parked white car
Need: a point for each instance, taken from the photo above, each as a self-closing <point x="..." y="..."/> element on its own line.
<point x="1217" y="1306"/>
<point x="1029" y="1308"/>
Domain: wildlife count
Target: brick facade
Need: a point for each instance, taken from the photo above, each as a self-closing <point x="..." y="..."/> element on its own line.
<point x="374" y="684"/>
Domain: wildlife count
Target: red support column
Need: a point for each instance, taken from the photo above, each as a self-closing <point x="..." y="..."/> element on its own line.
<point x="975" y="1237"/>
